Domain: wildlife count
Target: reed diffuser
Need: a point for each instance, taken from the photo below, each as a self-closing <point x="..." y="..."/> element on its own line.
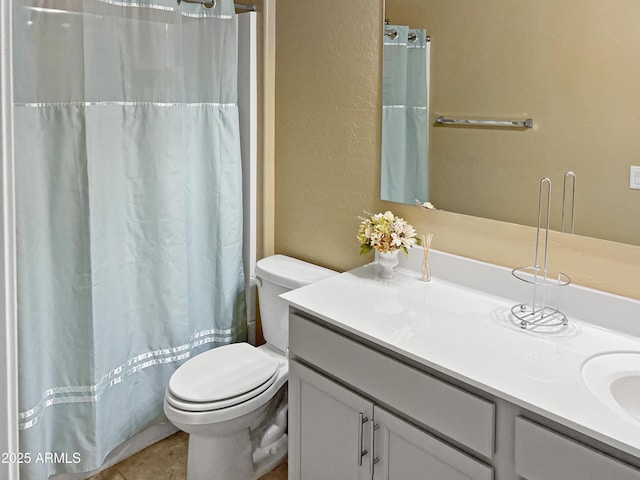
<point x="426" y="245"/>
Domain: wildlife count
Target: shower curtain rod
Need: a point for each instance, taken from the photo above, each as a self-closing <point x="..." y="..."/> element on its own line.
<point x="212" y="3"/>
<point x="393" y="34"/>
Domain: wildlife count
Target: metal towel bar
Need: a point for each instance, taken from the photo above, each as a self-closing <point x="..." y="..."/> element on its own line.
<point x="528" y="123"/>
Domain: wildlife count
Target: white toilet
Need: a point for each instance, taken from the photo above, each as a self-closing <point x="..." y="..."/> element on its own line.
<point x="231" y="400"/>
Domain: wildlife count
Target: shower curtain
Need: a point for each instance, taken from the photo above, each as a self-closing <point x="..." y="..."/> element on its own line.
<point x="405" y="115"/>
<point x="129" y="214"/>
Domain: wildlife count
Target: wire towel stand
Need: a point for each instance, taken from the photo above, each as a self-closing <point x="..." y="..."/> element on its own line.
<point x="539" y="314"/>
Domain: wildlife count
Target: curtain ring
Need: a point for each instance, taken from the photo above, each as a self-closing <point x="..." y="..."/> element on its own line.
<point x="205" y="3"/>
<point x="392" y="34"/>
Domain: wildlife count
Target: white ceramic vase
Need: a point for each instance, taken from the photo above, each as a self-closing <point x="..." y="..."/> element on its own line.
<point x="387" y="262"/>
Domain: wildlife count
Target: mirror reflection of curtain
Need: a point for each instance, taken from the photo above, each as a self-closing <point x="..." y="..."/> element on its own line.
<point x="129" y="214"/>
<point x="405" y="115"/>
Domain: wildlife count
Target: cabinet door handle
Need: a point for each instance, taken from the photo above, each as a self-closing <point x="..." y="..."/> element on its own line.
<point x="361" y="452"/>
<point x="373" y="460"/>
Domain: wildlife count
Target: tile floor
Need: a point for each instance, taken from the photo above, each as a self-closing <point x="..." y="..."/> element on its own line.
<point x="165" y="460"/>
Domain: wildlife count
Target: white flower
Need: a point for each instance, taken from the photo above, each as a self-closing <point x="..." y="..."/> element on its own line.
<point x="396" y="240"/>
<point x="409" y="231"/>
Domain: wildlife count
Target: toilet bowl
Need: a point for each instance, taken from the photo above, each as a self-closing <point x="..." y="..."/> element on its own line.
<point x="232" y="400"/>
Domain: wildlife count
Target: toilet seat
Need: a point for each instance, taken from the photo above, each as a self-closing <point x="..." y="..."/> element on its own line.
<point x="184" y="417"/>
<point x="217" y="405"/>
<point x="221" y="378"/>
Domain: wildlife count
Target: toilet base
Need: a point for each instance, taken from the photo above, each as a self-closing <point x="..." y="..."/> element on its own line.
<point x="231" y="457"/>
<point x="235" y="455"/>
<point x="227" y="458"/>
<point x="270" y="458"/>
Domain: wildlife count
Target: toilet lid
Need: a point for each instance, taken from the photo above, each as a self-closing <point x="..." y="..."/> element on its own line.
<point x="223" y="373"/>
<point x="220" y="404"/>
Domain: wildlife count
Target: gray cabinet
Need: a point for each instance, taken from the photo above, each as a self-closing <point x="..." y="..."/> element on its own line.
<point x="405" y="452"/>
<point x="451" y="411"/>
<point x="335" y="434"/>
<point x="328" y="428"/>
<point x="542" y="454"/>
<point x="355" y="413"/>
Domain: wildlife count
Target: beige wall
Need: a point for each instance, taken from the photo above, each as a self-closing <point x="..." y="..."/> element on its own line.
<point x="327" y="157"/>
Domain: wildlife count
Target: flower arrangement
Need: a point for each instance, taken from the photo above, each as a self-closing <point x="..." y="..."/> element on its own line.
<point x="386" y="233"/>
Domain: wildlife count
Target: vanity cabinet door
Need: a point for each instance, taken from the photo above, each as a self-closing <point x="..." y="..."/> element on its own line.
<point x="329" y="428"/>
<point x="404" y="452"/>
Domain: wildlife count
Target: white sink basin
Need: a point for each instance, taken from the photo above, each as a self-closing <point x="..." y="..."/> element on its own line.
<point x="614" y="378"/>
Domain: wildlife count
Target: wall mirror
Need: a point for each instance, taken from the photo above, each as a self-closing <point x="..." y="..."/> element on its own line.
<point x="573" y="67"/>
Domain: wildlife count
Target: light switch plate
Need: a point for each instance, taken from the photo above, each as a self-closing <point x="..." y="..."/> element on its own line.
<point x="634" y="178"/>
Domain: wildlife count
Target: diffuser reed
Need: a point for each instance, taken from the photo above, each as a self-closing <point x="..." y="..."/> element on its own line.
<point x="426" y="245"/>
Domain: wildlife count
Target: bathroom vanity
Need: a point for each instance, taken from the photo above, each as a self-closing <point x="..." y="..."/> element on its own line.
<point x="402" y="379"/>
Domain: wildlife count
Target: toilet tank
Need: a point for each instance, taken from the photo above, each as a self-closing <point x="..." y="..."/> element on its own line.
<point x="278" y="274"/>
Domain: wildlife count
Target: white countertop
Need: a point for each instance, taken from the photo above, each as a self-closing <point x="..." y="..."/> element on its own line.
<point x="467" y="332"/>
